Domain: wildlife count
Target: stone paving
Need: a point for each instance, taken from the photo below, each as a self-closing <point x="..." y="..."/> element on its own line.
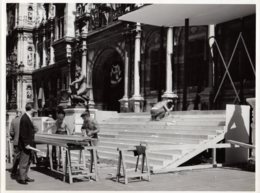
<point x="214" y="179"/>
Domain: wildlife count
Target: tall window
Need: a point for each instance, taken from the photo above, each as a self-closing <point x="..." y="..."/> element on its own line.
<point x="60" y="21"/>
<point x="30" y="14"/>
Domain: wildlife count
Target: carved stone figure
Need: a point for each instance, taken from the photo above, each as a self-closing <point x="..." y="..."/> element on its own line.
<point x="115" y="74"/>
<point x="52" y="11"/>
<point x="79" y="88"/>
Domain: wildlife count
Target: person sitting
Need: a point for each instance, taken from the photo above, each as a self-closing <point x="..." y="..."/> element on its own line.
<point x="161" y="109"/>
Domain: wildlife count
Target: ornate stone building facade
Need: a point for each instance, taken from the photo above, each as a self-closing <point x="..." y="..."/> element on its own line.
<point x="129" y="66"/>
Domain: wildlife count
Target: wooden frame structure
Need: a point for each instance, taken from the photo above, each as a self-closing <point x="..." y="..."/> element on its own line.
<point x="133" y="172"/>
<point x="67" y="144"/>
<point x="214" y="164"/>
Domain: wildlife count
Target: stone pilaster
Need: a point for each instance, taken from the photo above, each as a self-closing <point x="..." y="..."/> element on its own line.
<point x="37" y="56"/>
<point x="51" y="43"/>
<point x="44" y="54"/>
<point x="168" y="94"/>
<point x="124" y="102"/>
<point x="137" y="99"/>
<point x="207" y="94"/>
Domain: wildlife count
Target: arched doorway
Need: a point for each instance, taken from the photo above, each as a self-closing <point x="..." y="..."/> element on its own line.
<point x="108" y="83"/>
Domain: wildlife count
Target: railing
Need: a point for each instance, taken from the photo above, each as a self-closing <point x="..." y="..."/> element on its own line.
<point x="101" y="15"/>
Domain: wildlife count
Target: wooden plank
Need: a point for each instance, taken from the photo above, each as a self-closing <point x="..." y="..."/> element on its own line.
<point x="183" y="168"/>
<point x="245" y="145"/>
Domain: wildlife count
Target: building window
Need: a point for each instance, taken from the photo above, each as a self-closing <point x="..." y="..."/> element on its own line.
<point x="30" y="13"/>
<point x="60" y="21"/>
<point x="30" y="56"/>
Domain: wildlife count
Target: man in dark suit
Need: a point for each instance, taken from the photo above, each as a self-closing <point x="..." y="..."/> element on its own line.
<point x="14" y="134"/>
<point x="26" y="141"/>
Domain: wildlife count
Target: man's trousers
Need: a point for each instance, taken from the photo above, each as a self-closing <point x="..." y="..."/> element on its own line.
<point x="24" y="164"/>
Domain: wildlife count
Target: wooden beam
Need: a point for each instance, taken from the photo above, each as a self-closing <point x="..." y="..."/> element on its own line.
<point x="241" y="144"/>
<point x="183" y="168"/>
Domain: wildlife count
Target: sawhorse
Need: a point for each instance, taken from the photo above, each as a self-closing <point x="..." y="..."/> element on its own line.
<point x="133" y="172"/>
<point x="75" y="168"/>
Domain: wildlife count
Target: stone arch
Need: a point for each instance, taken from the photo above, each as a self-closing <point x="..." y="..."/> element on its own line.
<point x="108" y="89"/>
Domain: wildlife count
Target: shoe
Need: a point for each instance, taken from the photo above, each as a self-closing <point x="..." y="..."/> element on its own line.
<point x="13" y="176"/>
<point x="22" y="182"/>
<point x="29" y="180"/>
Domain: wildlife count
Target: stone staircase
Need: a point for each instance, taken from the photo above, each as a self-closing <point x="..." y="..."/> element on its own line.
<point x="172" y="141"/>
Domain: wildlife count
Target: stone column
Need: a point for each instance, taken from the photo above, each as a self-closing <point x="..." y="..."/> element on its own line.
<point x="124" y="101"/>
<point x="84" y="57"/>
<point x="168" y="94"/>
<point x="16" y="15"/>
<point x="137" y="99"/>
<point x="207" y="94"/>
<point x="56" y="29"/>
<point x="19" y="43"/>
<point x="43" y="48"/>
<point x="86" y="69"/>
<point x="18" y="93"/>
<point x="69" y="20"/>
<point x="37" y="57"/>
<point x="211" y="33"/>
<point x="22" y="50"/>
<point x="51" y="43"/>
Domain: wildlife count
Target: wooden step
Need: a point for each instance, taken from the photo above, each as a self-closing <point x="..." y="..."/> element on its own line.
<point x="177" y="123"/>
<point x="192" y="112"/>
<point x="168" y="119"/>
<point x="129" y="140"/>
<point x="115" y="130"/>
<point x="163" y="135"/>
<point x="168" y="126"/>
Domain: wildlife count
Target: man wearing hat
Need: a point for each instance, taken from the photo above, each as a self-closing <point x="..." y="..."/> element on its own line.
<point x="90" y="128"/>
<point x="26" y="141"/>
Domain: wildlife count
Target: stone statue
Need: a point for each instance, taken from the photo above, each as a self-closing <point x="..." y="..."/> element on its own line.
<point x="52" y="11"/>
<point x="79" y="88"/>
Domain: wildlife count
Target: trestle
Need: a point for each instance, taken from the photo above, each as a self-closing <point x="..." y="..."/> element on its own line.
<point x="133" y="172"/>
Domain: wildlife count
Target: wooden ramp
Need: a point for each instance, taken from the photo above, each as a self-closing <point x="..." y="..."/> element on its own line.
<point x="172" y="141"/>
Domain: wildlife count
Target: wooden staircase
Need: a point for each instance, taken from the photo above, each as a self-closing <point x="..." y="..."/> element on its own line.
<point x="172" y="141"/>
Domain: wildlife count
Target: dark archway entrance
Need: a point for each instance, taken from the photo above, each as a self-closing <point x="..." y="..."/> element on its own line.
<point x="108" y="83"/>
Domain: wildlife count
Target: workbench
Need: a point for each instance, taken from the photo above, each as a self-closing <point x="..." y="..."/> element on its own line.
<point x="66" y="144"/>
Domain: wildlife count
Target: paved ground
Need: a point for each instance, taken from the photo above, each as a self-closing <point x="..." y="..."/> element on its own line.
<point x="215" y="179"/>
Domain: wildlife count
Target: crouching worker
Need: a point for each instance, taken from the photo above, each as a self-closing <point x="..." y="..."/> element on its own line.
<point x="90" y="129"/>
<point x="161" y="109"/>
